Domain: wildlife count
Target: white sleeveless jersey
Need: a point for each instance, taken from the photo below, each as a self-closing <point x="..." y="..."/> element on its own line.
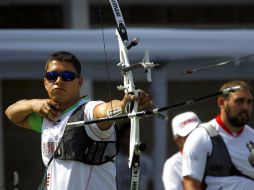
<point x="74" y="175"/>
<point x="198" y="145"/>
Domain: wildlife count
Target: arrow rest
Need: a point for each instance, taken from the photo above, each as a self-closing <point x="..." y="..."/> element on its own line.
<point x="145" y="64"/>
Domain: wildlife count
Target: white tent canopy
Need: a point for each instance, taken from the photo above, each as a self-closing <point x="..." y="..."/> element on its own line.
<point x="163" y="44"/>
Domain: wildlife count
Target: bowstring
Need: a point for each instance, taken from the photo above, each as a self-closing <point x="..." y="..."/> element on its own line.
<point x="105" y="52"/>
<point x="107" y="69"/>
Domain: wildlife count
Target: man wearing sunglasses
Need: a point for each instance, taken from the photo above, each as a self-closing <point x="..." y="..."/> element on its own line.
<point x="75" y="157"/>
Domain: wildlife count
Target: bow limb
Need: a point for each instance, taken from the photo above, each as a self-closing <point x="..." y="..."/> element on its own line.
<point x="119" y="21"/>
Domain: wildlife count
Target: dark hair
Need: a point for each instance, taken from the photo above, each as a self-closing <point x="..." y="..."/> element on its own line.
<point x="243" y="86"/>
<point x="65" y="57"/>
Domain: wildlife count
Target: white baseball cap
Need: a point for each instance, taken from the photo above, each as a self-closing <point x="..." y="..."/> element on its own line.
<point x="184" y="123"/>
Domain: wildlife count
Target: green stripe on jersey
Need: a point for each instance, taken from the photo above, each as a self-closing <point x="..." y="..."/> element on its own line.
<point x="35" y="122"/>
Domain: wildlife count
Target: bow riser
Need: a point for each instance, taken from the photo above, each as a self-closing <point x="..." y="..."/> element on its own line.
<point x="129" y="88"/>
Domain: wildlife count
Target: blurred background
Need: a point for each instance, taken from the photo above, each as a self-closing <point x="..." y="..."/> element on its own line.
<point x="180" y="35"/>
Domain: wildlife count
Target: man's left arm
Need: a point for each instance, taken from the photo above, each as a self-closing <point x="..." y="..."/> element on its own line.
<point x="103" y="110"/>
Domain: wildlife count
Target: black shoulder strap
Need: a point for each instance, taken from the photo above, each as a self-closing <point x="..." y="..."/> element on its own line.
<point x="217" y="165"/>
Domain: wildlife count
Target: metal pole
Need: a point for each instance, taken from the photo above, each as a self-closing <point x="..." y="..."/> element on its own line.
<point x="2" y="180"/>
<point x="159" y="93"/>
<point x="76" y="14"/>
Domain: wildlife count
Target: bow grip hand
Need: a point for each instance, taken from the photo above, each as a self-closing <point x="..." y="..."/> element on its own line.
<point x="142" y="99"/>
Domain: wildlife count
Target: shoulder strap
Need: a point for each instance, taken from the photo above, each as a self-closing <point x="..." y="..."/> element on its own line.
<point x="217" y="165"/>
<point x="210" y="129"/>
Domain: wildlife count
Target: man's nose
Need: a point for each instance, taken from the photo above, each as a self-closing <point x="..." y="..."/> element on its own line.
<point x="59" y="79"/>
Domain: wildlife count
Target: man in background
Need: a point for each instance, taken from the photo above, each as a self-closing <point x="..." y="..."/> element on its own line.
<point x="182" y="125"/>
<point x="218" y="153"/>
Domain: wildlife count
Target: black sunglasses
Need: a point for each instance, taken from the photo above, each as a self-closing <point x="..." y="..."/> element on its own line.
<point x="65" y="75"/>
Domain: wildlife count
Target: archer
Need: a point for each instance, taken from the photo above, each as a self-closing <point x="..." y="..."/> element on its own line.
<point x="75" y="157"/>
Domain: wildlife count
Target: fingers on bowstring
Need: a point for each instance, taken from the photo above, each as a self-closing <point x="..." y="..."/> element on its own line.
<point x="53" y="105"/>
<point x="50" y="111"/>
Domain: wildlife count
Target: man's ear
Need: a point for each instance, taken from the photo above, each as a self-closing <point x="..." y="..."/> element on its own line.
<point x="221" y="101"/>
<point x="44" y="82"/>
<point x="81" y="80"/>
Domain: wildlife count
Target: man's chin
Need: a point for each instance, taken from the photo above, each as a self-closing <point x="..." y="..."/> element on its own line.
<point x="241" y="123"/>
<point x="57" y="98"/>
<point x="244" y="119"/>
<point x="238" y="122"/>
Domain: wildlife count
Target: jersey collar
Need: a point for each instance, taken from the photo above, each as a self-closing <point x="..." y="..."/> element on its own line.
<point x="225" y="128"/>
<point x="85" y="99"/>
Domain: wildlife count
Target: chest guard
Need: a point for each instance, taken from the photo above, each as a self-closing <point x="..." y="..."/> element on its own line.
<point x="78" y="146"/>
<point x="219" y="162"/>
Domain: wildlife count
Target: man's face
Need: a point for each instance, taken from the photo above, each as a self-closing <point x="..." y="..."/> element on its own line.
<point x="238" y="107"/>
<point x="180" y="141"/>
<point x="59" y="90"/>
